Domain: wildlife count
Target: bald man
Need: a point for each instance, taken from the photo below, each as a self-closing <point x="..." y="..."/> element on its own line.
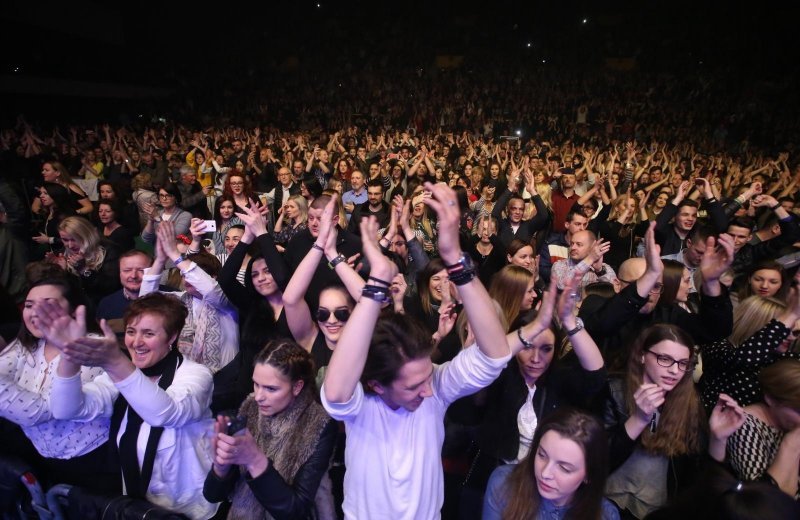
<point x="585" y="257"/>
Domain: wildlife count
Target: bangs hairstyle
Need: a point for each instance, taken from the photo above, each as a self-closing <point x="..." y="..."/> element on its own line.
<point x="423" y="281"/>
<point x="396" y="340"/>
<point x="682" y="424"/>
<point x="523" y="500"/>
<point x="291" y="360"/>
<point x="168" y="307"/>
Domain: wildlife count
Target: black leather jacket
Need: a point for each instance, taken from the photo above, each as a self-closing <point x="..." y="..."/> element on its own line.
<point x="281" y="500"/>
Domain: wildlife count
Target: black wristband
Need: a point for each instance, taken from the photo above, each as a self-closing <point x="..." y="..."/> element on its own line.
<point x="376" y="293"/>
<point x="384" y="282"/>
<point x="462" y="278"/>
<point x="776" y="206"/>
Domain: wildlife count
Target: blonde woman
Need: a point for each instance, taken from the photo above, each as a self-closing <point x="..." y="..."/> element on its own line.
<point x="292" y="217"/>
<point x="94" y="260"/>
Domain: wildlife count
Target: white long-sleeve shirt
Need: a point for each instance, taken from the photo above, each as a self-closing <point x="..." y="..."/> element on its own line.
<point x="26" y="378"/>
<point x="183" y="458"/>
<point x="393" y="457"/>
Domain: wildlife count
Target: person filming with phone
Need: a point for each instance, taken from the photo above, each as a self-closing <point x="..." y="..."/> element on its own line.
<point x="271" y="459"/>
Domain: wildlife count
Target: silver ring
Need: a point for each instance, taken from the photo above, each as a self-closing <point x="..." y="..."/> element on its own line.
<point x="451" y="203"/>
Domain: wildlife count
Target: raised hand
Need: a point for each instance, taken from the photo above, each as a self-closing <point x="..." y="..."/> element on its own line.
<point x="652" y="251"/>
<point x="380" y="266"/>
<point x="102" y="352"/>
<point x="327" y="224"/>
<point x="600" y="248"/>
<point x="443" y="201"/>
<point x="717" y="257"/>
<point x="56" y="325"/>
<point x="726" y="417"/>
<point x="166" y="239"/>
<point x="567" y="301"/>
<point x="253" y="219"/>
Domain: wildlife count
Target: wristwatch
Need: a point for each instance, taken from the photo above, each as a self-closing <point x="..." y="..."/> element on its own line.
<point x="338" y="259"/>
<point x="577" y="329"/>
<point x="376" y="293"/>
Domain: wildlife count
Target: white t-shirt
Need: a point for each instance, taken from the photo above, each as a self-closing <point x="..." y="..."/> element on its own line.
<point x="393" y="457"/>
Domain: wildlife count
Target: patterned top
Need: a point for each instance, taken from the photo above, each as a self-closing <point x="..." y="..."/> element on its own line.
<point x="753" y="447"/>
<point x="25" y="381"/>
<point x="564" y="270"/>
<point x="734" y="371"/>
<point x="287" y="232"/>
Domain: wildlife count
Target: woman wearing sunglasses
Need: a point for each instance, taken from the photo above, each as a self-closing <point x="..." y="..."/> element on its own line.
<point x="655" y="422"/>
<point x="318" y="332"/>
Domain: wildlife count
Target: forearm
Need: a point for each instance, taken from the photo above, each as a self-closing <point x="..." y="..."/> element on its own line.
<point x="184" y="402"/>
<point x="483" y="320"/>
<point x="350" y="356"/>
<point x="298" y="284"/>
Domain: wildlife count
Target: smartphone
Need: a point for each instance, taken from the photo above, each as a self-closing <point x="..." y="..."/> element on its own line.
<point x="211" y="225"/>
<point x="235" y="425"/>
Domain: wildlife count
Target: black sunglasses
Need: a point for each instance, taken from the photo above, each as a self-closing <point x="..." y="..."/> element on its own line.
<point x="339" y="314"/>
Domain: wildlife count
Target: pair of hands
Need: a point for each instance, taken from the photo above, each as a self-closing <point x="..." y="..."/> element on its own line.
<point x="239" y="449"/>
<point x="442" y="200"/>
<point x="68" y="335"/>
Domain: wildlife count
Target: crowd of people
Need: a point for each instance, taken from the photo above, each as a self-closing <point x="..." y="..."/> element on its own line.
<point x="588" y="319"/>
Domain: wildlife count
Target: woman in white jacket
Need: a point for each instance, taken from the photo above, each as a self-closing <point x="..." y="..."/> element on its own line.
<point x="158" y="401"/>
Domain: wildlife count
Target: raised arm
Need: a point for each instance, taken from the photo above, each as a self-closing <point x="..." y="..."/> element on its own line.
<point x="350" y="356"/>
<point x="298" y="315"/>
<point x="481" y="315"/>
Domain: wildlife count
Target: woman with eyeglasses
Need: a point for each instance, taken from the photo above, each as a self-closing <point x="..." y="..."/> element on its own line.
<point x="764" y="330"/>
<point x="656" y="423"/>
<point x="237" y="187"/>
<point x="169" y="199"/>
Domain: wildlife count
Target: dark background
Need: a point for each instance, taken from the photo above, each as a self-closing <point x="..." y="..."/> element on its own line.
<point x="95" y="60"/>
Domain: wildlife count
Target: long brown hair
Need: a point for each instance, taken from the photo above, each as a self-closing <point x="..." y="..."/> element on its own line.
<point x="682" y="424"/>
<point x="522" y="495"/>
<point x="673" y="274"/>
<point x="508" y="289"/>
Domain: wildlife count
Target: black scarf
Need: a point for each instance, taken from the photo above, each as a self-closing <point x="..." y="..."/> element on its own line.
<point x="137" y="480"/>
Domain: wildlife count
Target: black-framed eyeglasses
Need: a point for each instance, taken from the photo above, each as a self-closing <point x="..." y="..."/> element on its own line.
<point x="340" y="314"/>
<point x="165" y="195"/>
<point x="685" y="365"/>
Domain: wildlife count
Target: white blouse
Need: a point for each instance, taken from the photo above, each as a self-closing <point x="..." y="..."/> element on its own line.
<point x="25" y="381"/>
<point x="526" y="423"/>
